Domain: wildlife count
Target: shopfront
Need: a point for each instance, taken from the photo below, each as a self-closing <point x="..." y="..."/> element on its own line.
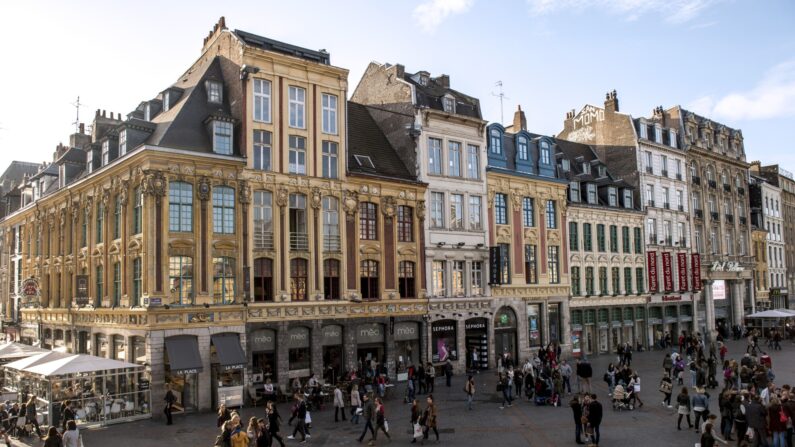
<point x="629" y="326"/>
<point x="534" y="325"/>
<point x="590" y="334"/>
<point x="182" y="363"/>
<point x="604" y="330"/>
<point x="444" y="340"/>
<point x="227" y="364"/>
<point x="333" y="364"/>
<point x="615" y="328"/>
<point x="263" y="355"/>
<point x="505" y="333"/>
<point x="299" y="353"/>
<point x="476" y="338"/>
<point x="407" y="347"/>
<point x="554" y="318"/>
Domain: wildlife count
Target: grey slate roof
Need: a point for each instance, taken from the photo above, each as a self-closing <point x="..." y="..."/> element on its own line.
<point x="265" y="43"/>
<point x="366" y="138"/>
<point x="430" y="95"/>
<point x="577" y="153"/>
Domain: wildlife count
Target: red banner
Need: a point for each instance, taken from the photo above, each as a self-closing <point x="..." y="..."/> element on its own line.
<point x="651" y="258"/>
<point x="681" y="260"/>
<point x="695" y="264"/>
<point x="668" y="277"/>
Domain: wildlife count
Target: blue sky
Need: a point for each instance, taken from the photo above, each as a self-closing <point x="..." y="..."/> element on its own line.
<point x="732" y="60"/>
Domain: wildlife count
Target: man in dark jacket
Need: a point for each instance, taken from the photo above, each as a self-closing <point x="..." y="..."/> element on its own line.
<point x="757" y="420"/>
<point x="368" y="413"/>
<point x="448" y="372"/>
<point x="595" y="417"/>
<point x="584" y="374"/>
<point x="576" y="409"/>
<point x="169" y="399"/>
<point x="300" y="416"/>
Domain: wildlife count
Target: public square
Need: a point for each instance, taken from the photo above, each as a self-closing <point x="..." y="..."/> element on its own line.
<point x="524" y="424"/>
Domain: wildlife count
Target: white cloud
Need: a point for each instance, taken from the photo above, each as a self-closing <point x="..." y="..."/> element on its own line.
<point x="772" y="97"/>
<point x="431" y="13"/>
<point x="674" y="11"/>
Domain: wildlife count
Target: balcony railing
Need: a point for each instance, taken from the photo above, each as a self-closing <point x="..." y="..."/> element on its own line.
<point x="682" y="242"/>
<point x="712" y="184"/>
<point x="681" y="207"/>
<point x="299" y="241"/>
<point x="730" y="218"/>
<point x="263" y="240"/>
<point x="679" y="176"/>
<point x="713" y="215"/>
<point x="667" y="205"/>
<point x="664" y="173"/>
<point x="650" y="203"/>
<point x="699" y="214"/>
<point x="649" y="170"/>
<point x="696" y="180"/>
<point x="653" y="239"/>
<point x="669" y="241"/>
<point x="331" y="243"/>
<point x="727" y="187"/>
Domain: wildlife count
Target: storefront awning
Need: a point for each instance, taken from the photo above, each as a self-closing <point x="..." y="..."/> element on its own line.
<point x="230" y="353"/>
<point x="183" y="354"/>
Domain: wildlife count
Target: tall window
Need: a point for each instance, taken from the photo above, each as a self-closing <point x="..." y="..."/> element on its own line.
<point x="116" y="284"/>
<point x="612" y="196"/>
<point x="222" y="137"/>
<point x="297" y="99"/>
<point x="501" y="209"/>
<point x="298" y="279"/>
<point x="603" y="281"/>
<point x="574" y="191"/>
<point x="105" y="152"/>
<point x="262" y="150"/>
<point x="122" y="142"/>
<point x="329" y="159"/>
<point x="331" y="279"/>
<point x="180" y="279"/>
<point x="638" y="240"/>
<point x="476" y="278"/>
<point x="528" y="211"/>
<point x="615" y="280"/>
<point x="473" y="161"/>
<point x="552" y="220"/>
<point x="368" y="229"/>
<point x="437" y="210"/>
<point x="530" y="264"/>
<point x="456" y="211"/>
<point x="575" y="281"/>
<point x="438" y="276"/>
<point x="405" y="223"/>
<point x="406" y="279"/>
<point x="625" y="240"/>
<point x="263" y="279"/>
<point x="263" y="220"/>
<point x="99" y="228"/>
<point x="434" y="156"/>
<point x="587" y="238"/>
<point x="628" y="280"/>
<point x="262" y="100"/>
<point x="136" y="282"/>
<point x="454" y="149"/>
<point x="544" y="156"/>
<point x="98" y="283"/>
<point x="496" y="142"/>
<point x="223" y="210"/>
<point x="600" y="237"/>
<point x="475" y="222"/>
<point x="457" y="280"/>
<point x="297" y="155"/>
<point x="180" y="206"/>
<point x="553" y="264"/>
<point x="639" y="279"/>
<point x="589" y="281"/>
<point x="651" y="231"/>
<point x="214" y="92"/>
<point x="298" y="233"/>
<point x="117" y="208"/>
<point x="505" y="263"/>
<point x="329" y="104"/>
<point x="223" y="280"/>
<point x="613" y="238"/>
<point x="331" y="224"/>
<point x="521" y="148"/>
<point x="138" y="205"/>
<point x="574" y="237"/>
<point x="369" y="279"/>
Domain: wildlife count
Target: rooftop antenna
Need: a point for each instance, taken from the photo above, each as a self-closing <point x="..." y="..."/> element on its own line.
<point x="77" y="105"/>
<point x="502" y="97"/>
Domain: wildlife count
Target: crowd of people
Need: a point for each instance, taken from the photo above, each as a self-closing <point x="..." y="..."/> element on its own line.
<point x="21" y="420"/>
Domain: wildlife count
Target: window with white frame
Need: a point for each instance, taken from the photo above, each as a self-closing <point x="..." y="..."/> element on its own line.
<point x="713" y="240"/>
<point x="456" y="211"/>
<point x="521" y="148"/>
<point x="651" y="231"/>
<point x="666" y="196"/>
<point x="329" y="104"/>
<point x="448" y="104"/>
<point x="592" y="193"/>
<point x="222" y="137"/>
<point x="642" y="129"/>
<point x="434" y="156"/>
<point x="528" y="212"/>
<point x="612" y="196"/>
<point x="658" y="134"/>
<point x="713" y="206"/>
<point x="105" y="152"/>
<point x="672" y="138"/>
<point x="475" y="210"/>
<point x="574" y="191"/>
<point x="501" y="209"/>
<point x="262" y="150"/>
<point x="297" y="101"/>
<point x="263" y="219"/>
<point x="552" y="214"/>
<point x="214" y="92"/>
<point x="627" y="198"/>
<point x="437" y="210"/>
<point x="650" y="195"/>
<point x="680" y="233"/>
<point x="122" y="142"/>
<point x="473" y="161"/>
<point x="454" y="154"/>
<point x="544" y="155"/>
<point x="437" y="275"/>
<point x="699" y="242"/>
<point x="457" y="280"/>
<point x="476" y="278"/>
<point x="680" y="200"/>
<point x="297" y="155"/>
<point x="586" y="167"/>
<point x="496" y="141"/>
<point x="262" y="100"/>
<point x="664" y="164"/>
<point x="648" y="161"/>
<point x="329" y="159"/>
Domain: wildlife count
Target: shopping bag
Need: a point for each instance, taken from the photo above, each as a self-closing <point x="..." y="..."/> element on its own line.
<point x="308" y="418"/>
<point x="417" y="430"/>
<point x="386" y="426"/>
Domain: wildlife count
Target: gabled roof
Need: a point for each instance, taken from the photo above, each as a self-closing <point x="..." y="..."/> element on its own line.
<point x="253" y="40"/>
<point x="365" y="138"/>
<point x="578" y="153"/>
<point x="431" y="94"/>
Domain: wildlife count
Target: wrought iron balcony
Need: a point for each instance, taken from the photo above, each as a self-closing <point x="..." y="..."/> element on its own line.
<point x="696" y="180"/>
<point x="331" y="243"/>
<point x="649" y="170"/>
<point x="667" y="205"/>
<point x="727" y="187"/>
<point x="699" y="214"/>
<point x="263" y="239"/>
<point x="730" y="218"/>
<point x="741" y="191"/>
<point x="743" y="220"/>
<point x="664" y="173"/>
<point x="713" y="215"/>
<point x="712" y="184"/>
<point x="299" y="241"/>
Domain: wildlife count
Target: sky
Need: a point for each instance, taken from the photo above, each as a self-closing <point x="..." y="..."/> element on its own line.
<point x="730" y="60"/>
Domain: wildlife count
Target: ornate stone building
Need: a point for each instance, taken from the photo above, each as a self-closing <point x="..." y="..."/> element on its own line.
<point x="759" y="238"/>
<point x="783" y="179"/>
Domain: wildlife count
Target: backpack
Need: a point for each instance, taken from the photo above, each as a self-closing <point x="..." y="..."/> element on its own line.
<point x="782" y="416"/>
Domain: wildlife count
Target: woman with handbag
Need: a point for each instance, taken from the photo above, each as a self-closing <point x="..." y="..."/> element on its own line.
<point x="683" y="408"/>
<point x="356" y="404"/>
<point x="429" y="419"/>
<point x="666" y="387"/>
<point x="380" y="419"/>
<point x="634" y="383"/>
<point x="415" y="421"/>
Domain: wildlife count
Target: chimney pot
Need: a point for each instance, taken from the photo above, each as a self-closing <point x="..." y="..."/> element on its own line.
<point x="222" y="22"/>
<point x="519" y="120"/>
<point x="82" y="128"/>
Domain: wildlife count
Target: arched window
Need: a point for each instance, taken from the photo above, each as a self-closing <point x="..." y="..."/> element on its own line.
<point x="331" y="224"/>
<point x="406" y="279"/>
<point x="331" y="279"/>
<point x="544" y="156"/>
<point x="495" y="142"/>
<point x="180" y="206"/>
<point x="223" y="210"/>
<point x="298" y="279"/>
<point x="521" y="148"/>
<point x="223" y="280"/>
<point x="263" y="279"/>
<point x="369" y="279"/>
<point x="180" y="279"/>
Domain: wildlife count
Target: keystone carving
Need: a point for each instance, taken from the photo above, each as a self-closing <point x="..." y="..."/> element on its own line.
<point x="388" y="207"/>
<point x="317" y="198"/>
<point x="282" y="196"/>
<point x="204" y="189"/>
<point x="350" y="202"/>
<point x="155" y="185"/>
<point x="245" y="192"/>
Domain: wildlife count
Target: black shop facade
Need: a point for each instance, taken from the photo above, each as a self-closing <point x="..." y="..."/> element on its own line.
<point x="330" y="349"/>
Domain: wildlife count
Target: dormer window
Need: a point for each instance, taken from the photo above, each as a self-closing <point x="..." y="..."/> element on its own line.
<point x="89" y="161"/>
<point x="166" y="102"/>
<point x="627" y="198"/>
<point x="642" y="129"/>
<point x="122" y="142"/>
<point x="147" y="112"/>
<point x="592" y="194"/>
<point x="423" y="79"/>
<point x="222" y="137"/>
<point x="574" y="191"/>
<point x="612" y="196"/>
<point x="105" y="152"/>
<point x="602" y="171"/>
<point x="544" y="156"/>
<point x="214" y="92"/>
<point x="496" y="142"/>
<point x="586" y="167"/>
<point x="521" y="148"/>
<point x="565" y="166"/>
<point x="62" y="175"/>
<point x="657" y="134"/>
<point x="448" y="104"/>
<point x="672" y="138"/>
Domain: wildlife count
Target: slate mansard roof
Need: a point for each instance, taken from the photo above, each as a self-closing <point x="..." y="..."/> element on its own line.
<point x="366" y="139"/>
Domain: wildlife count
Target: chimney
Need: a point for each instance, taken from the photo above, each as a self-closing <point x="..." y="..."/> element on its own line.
<point x="400" y="71"/>
<point x="611" y="102"/>
<point x="519" y="120"/>
<point x="443" y="80"/>
<point x="568" y="122"/>
<point x="217" y="29"/>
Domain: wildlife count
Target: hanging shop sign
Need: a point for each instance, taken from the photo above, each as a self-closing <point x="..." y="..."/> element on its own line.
<point x="726" y="266"/>
<point x="681" y="262"/>
<point x="668" y="279"/>
<point x="651" y="258"/>
<point x="695" y="266"/>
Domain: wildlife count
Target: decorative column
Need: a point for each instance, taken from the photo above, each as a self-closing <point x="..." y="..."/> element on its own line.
<point x="244" y="197"/>
<point x="202" y="267"/>
<point x="350" y="203"/>
<point x="738" y="308"/>
<point x="565" y="322"/>
<point x="283" y="200"/>
<point x="107" y="266"/>
<point x="709" y="311"/>
<point x="154" y="185"/>
<point x="389" y="208"/>
<point x="423" y="272"/>
<point x="316" y="201"/>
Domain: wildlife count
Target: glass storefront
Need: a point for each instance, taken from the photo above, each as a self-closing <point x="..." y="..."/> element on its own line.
<point x="505" y="333"/>
<point x="183" y="378"/>
<point x="333" y="365"/>
<point x="534" y="325"/>
<point x="554" y="322"/>
<point x="444" y="341"/>
<point x="407" y="346"/>
<point x="370" y="350"/>
<point x="227" y="363"/>
<point x="476" y="341"/>
<point x="299" y="354"/>
<point x="263" y="355"/>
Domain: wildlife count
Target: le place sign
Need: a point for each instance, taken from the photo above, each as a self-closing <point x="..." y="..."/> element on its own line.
<point x="726" y="266"/>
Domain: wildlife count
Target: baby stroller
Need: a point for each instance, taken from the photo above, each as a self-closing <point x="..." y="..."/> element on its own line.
<point x="529" y="386"/>
<point x="545" y="395"/>
<point x="622" y="399"/>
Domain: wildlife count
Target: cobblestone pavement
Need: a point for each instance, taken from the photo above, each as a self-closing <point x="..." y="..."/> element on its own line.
<point x="524" y="424"/>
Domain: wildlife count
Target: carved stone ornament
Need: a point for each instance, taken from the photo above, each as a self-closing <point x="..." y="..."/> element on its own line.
<point x="62" y="216"/>
<point x="88" y="202"/>
<point x="282" y="196"/>
<point x="105" y="197"/>
<point x="388" y="206"/>
<point x="155" y="185"/>
<point x="245" y="192"/>
<point x="421" y="209"/>
<point x="517" y="200"/>
<point x="317" y="198"/>
<point x="350" y="202"/>
<point x="75" y="211"/>
<point x="203" y="191"/>
<point x="123" y="198"/>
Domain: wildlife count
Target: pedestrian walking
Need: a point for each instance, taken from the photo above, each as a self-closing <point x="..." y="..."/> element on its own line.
<point x="666" y="387"/>
<point x="381" y="423"/>
<point x="683" y="407"/>
<point x="300" y="418"/>
<point x="368" y="411"/>
<point x="356" y="404"/>
<point x="252" y="431"/>
<point x="700" y="403"/>
<point x="707" y="440"/>
<point x="505" y="386"/>
<point x="67" y="414"/>
<point x="339" y="403"/>
<point x="469" y="390"/>
<point x="448" y="373"/>
<point x="53" y="439"/>
<point x="410" y="394"/>
<point x="263" y="435"/>
<point x="238" y="436"/>
<point x="584" y="374"/>
<point x="415" y="421"/>
<point x="169" y="399"/>
<point x="71" y="436"/>
<point x="429" y="419"/>
<point x="430" y="377"/>
<point x="565" y="372"/>
<point x="634" y="385"/>
<point x="595" y="417"/>
<point x="274" y="421"/>
<point x="576" y="410"/>
<point x="31" y="416"/>
<point x="223" y="416"/>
